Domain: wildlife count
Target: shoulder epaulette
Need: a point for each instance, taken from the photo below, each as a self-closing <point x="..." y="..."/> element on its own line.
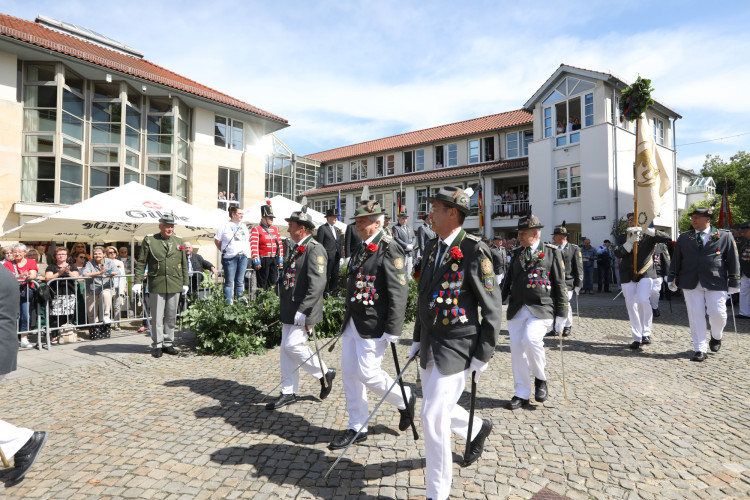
<point x="473" y="237"/>
<point x="550" y="245"/>
<point x="386" y="237"/>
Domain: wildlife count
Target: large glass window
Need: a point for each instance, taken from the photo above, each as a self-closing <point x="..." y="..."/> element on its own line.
<point x="413" y="161"/>
<point x="453" y="155"/>
<point x="229" y="133"/>
<point x="229" y="187"/>
<point x="40" y="126"/>
<point x="658" y="131"/>
<point x="488" y="149"/>
<point x="570" y="106"/>
<point x="518" y="143"/>
<point x="474" y="151"/>
<point x="358" y="169"/>
<point x="423" y="206"/>
<point x="568" y="182"/>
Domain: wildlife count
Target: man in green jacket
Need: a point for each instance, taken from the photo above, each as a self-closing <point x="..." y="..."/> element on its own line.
<point x="164" y="256"/>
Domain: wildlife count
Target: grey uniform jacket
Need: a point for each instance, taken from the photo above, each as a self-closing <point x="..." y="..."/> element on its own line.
<point x="499" y="259"/>
<point x="389" y="291"/>
<point x="424" y="234"/>
<point x="9" y="308"/>
<point x="404" y="235"/>
<point x="573" y="262"/>
<point x="352" y="241"/>
<point x="646" y="246"/>
<point x="302" y="285"/>
<point x="454" y="344"/>
<point x="539" y="285"/>
<point x="716" y="266"/>
<point x="745" y="259"/>
<point x="661" y="260"/>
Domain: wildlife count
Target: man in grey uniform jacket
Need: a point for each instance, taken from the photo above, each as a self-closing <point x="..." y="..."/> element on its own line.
<point x="637" y="286"/>
<point x="706" y="266"/>
<point x="376" y="296"/>
<point x="457" y="280"/>
<point x="424" y="234"/>
<point x="536" y="286"/>
<point x="21" y="444"/>
<point x="301" y="293"/>
<point x="404" y="236"/>
<point x="573" y="265"/>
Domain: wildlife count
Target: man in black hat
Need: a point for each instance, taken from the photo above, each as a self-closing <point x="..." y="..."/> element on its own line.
<point x="745" y="271"/>
<point x="424" y="234"/>
<point x="499" y="259"/>
<point x="573" y="265"/>
<point x="706" y="266"/>
<point x="637" y="284"/>
<point x="404" y="236"/>
<point x="376" y="296"/>
<point x="538" y="297"/>
<point x="164" y="255"/>
<point x="331" y="238"/>
<point x="266" y="248"/>
<point x="301" y="294"/>
<point x="450" y="338"/>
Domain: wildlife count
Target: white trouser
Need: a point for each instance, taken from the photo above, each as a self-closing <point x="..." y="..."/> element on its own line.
<point x="360" y="370"/>
<point x="700" y="301"/>
<point x="12" y="438"/>
<point x="569" y="318"/>
<point x="527" y="349"/>
<point x="655" y="291"/>
<point x="409" y="267"/>
<point x="637" y="302"/>
<point x="294" y="351"/>
<point x="745" y="296"/>
<point x="441" y="415"/>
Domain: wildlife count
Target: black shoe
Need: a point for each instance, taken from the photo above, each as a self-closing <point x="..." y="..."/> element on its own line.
<point x="551" y="333"/>
<point x="26" y="456"/>
<point x="284" y="399"/>
<point x="342" y="440"/>
<point x="566" y="331"/>
<point x="516" y="403"/>
<point x="156" y="352"/>
<point x="646" y="340"/>
<point x="699" y="356"/>
<point x="477" y="444"/>
<point x="170" y="350"/>
<point x="714" y="344"/>
<point x="325" y="383"/>
<point x="405" y="421"/>
<point x="656" y="313"/>
<point x="540" y="390"/>
<point x="635" y="345"/>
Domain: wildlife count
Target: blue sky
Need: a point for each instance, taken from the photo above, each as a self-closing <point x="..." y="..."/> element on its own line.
<point x="346" y="72"/>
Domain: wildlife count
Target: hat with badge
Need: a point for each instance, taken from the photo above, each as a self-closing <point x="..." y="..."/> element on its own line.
<point x="704" y="211"/>
<point x="453" y="197"/>
<point x="368" y="207"/>
<point x="302" y="217"/>
<point x="529" y="221"/>
<point x="167" y="218"/>
<point x="332" y="212"/>
<point x="561" y="229"/>
<point x="403" y="213"/>
<point x="266" y="210"/>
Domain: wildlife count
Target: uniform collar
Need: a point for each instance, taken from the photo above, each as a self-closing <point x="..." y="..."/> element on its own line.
<point x="449" y="240"/>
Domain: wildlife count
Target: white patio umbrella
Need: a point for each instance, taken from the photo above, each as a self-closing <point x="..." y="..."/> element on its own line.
<point x="282" y="209"/>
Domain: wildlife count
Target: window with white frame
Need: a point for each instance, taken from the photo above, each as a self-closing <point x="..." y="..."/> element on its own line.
<point x="335" y="173"/>
<point x="570" y="106"/>
<point x="658" y="131"/>
<point x="414" y="161"/>
<point x="385" y="165"/>
<point x="568" y="182"/>
<point x="358" y="169"/>
<point x="452" y="155"/>
<point x="548" y="122"/>
<point x="439" y="156"/>
<point x="229" y="133"/>
<point x="474" y="151"/>
<point x="488" y="149"/>
<point x="423" y="206"/>
<point x="518" y="143"/>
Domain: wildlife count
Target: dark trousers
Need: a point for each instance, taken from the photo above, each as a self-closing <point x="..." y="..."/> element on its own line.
<point x="332" y="271"/>
<point x="268" y="274"/>
<point x="604" y="276"/>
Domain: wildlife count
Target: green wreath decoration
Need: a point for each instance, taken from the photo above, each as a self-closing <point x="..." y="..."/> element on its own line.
<point x="636" y="99"/>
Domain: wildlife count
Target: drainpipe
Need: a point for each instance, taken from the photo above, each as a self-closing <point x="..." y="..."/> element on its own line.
<point x="674" y="180"/>
<point x="614" y="152"/>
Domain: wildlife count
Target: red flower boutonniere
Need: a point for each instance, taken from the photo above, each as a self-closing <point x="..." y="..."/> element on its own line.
<point x="715" y="236"/>
<point x="456" y="253"/>
<point x="372" y="247"/>
<point x="181" y="247"/>
<point x="541" y="255"/>
<point x="300" y="250"/>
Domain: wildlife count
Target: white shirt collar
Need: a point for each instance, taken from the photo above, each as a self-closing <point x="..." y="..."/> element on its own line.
<point x="449" y="240"/>
<point x="369" y="240"/>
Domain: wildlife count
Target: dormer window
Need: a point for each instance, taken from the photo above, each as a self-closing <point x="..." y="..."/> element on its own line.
<point x="567" y="109"/>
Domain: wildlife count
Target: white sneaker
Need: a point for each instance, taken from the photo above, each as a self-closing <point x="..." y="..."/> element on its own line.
<point x="106" y="320"/>
<point x="25" y="342"/>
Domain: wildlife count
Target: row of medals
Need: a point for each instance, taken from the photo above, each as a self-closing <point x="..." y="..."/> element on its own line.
<point x="543" y="279"/>
<point x="447" y="298"/>
<point x="289" y="275"/>
<point x="365" y="286"/>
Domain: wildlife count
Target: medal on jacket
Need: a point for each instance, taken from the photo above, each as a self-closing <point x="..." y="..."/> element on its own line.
<point x="446" y="321"/>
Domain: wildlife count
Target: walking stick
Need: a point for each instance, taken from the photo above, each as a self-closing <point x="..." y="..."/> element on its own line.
<point x="577" y="311"/>
<point x="403" y="393"/>
<point x="320" y="361"/>
<point x="471" y="415"/>
<point x="736" y="335"/>
<point x="562" y="364"/>
<point x="401" y="374"/>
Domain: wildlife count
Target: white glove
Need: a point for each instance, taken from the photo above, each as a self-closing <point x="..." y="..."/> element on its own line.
<point x="299" y="318"/>
<point x="414" y="349"/>
<point x="389" y="338"/>
<point x="477" y="366"/>
<point x="185" y="289"/>
<point x="636" y="229"/>
<point x="409" y="247"/>
<point x="577" y="289"/>
<point x="137" y="289"/>
<point x="650" y="231"/>
<point x="672" y="286"/>
<point x="732" y="290"/>
<point x="559" y="324"/>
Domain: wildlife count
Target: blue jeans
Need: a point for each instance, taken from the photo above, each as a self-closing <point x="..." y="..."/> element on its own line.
<point x="234" y="275"/>
<point x="588" y="277"/>
<point x="24" y="316"/>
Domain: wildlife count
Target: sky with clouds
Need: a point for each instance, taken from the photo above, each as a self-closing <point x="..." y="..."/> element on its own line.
<point x="344" y="72"/>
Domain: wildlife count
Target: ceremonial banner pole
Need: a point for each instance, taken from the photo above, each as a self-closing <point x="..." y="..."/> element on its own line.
<point x="403" y="393"/>
<point x="471" y="415"/>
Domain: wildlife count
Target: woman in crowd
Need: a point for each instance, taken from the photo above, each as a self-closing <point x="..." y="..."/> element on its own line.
<point x="80" y="247"/>
<point x="25" y="270"/>
<point x="63" y="306"/>
<point x="99" y="286"/>
<point x="120" y="289"/>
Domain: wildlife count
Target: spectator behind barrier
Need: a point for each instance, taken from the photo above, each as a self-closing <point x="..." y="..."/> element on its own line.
<point x="25" y="270"/>
<point x="62" y="309"/>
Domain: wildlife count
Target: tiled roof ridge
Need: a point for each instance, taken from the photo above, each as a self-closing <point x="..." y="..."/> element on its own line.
<point x="415" y="132"/>
<point x="186" y="84"/>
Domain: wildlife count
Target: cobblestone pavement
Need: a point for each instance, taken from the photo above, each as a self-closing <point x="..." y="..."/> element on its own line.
<point x="635" y="425"/>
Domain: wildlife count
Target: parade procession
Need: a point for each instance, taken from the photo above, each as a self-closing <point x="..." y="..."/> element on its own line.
<point x="559" y="309"/>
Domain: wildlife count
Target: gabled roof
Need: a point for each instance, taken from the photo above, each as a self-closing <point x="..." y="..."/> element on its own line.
<point x="458" y="129"/>
<point x="615" y="81"/>
<point x="429" y="175"/>
<point x="37" y="35"/>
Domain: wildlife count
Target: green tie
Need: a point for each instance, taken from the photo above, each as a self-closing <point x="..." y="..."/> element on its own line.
<point x="527" y="254"/>
<point x="699" y="237"/>
<point x="442" y="247"/>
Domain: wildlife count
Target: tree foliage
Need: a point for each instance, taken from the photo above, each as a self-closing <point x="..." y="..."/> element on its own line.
<point x="684" y="222"/>
<point x="735" y="175"/>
